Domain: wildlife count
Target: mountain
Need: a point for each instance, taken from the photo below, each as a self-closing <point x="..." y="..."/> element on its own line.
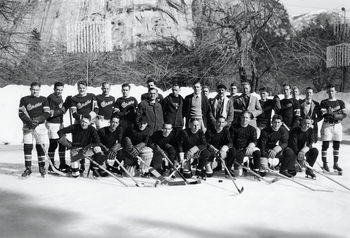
<point x="301" y="21"/>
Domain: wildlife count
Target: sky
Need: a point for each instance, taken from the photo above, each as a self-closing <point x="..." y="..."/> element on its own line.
<point x="298" y="7"/>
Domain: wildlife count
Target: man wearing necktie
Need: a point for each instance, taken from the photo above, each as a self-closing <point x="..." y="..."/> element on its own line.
<point x="309" y="107"/>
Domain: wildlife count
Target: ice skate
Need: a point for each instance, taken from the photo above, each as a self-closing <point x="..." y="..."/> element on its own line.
<point x="337" y="168"/>
<point x="42" y="171"/>
<point x="26" y="172"/>
<point x="310" y="173"/>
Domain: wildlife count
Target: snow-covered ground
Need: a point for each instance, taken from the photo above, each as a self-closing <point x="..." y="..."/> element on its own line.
<point x="67" y="207"/>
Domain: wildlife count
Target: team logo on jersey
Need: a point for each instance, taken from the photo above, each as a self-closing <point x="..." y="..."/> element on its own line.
<point x="81" y="105"/>
<point x="125" y="104"/>
<point x="31" y="107"/>
<point x="105" y="104"/>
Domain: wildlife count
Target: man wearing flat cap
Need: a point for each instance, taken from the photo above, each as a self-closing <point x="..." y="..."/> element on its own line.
<point x="222" y="106"/>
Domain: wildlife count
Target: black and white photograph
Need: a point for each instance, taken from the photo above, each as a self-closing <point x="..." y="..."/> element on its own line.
<point x="174" y="118"/>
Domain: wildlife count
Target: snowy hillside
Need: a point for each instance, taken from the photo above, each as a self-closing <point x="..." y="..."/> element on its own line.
<point x="302" y="21"/>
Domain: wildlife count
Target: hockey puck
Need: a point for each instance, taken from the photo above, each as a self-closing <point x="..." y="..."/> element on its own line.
<point x="220" y="180"/>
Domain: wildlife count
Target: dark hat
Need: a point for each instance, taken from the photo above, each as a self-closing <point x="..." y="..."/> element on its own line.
<point x="220" y="86"/>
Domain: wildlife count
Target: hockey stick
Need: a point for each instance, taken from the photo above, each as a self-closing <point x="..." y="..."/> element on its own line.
<point x="309" y="167"/>
<point x="104" y="169"/>
<point x="153" y="171"/>
<point x="301" y="184"/>
<point x="257" y="175"/>
<point x="176" y="169"/>
<point x="229" y="174"/>
<point x="127" y="173"/>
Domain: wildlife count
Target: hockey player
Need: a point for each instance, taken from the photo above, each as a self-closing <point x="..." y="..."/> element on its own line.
<point x="247" y="102"/>
<point x="309" y="107"/>
<point x="272" y="143"/>
<point x="300" y="148"/>
<point x="267" y="105"/>
<point x="134" y="145"/>
<point x="111" y="137"/>
<point x="105" y="104"/>
<point x="152" y="110"/>
<point x="150" y="85"/>
<point x="289" y="109"/>
<point x="193" y="145"/>
<point x="172" y="109"/>
<point x="54" y="124"/>
<point x="166" y="141"/>
<point x="244" y="138"/>
<point x="125" y="107"/>
<point x="83" y="103"/>
<point x="33" y="111"/>
<point x="334" y="112"/>
<point x="219" y="143"/>
<point x="296" y="94"/>
<point x="221" y="106"/>
<point x="83" y="134"/>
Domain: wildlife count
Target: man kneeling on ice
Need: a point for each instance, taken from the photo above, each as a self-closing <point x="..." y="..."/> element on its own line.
<point x="83" y="135"/>
<point x="300" y="146"/>
<point x="272" y="143"/>
<point x="220" y="142"/>
<point x="134" y="148"/>
<point x="193" y="146"/>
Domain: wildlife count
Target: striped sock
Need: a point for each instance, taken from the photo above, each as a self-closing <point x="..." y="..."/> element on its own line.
<point x="28" y="160"/>
<point x="324" y="156"/>
<point x="336" y="156"/>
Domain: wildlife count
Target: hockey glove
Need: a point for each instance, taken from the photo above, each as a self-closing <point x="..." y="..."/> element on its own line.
<point x="223" y="152"/>
<point x="250" y="149"/>
<point x="66" y="143"/>
<point x="212" y="149"/>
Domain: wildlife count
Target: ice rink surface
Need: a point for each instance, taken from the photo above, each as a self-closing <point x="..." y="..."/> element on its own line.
<point x="66" y="207"/>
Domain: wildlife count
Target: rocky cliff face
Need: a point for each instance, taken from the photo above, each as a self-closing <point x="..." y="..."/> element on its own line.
<point x="133" y="21"/>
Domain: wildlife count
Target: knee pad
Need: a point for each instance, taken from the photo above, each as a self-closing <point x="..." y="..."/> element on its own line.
<point x="336" y="145"/>
<point x="325" y="145"/>
<point x="27" y="148"/>
<point x="205" y="154"/>
<point x="263" y="164"/>
<point x="256" y="153"/>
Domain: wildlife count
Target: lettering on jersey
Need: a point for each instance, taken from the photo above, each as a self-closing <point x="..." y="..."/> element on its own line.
<point x="31" y="107"/>
<point x="105" y="104"/>
<point x="334" y="109"/>
<point x="81" y="105"/>
<point x="125" y="104"/>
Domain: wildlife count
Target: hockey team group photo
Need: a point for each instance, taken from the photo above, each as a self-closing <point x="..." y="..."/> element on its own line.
<point x="174" y="118"/>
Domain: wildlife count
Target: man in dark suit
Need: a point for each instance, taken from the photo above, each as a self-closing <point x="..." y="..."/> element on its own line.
<point x="309" y="107"/>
